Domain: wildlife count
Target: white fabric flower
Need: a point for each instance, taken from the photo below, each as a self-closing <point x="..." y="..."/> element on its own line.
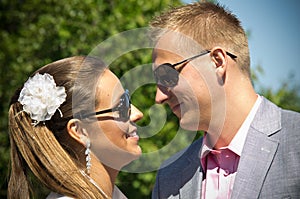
<point x="41" y="97"/>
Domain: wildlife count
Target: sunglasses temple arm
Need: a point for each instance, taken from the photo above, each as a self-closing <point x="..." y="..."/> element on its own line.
<point x="96" y="113"/>
<point x="231" y="55"/>
<point x="191" y="58"/>
<point x="104" y="111"/>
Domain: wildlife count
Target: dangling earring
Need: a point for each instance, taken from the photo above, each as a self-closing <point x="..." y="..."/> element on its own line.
<point x="88" y="156"/>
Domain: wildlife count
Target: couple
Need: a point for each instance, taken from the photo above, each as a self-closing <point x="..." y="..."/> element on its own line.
<point x="66" y="128"/>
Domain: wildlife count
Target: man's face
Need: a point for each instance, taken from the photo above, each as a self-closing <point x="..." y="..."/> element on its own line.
<point x="190" y="99"/>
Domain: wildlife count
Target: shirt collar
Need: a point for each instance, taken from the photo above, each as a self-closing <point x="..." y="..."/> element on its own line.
<point x="237" y="143"/>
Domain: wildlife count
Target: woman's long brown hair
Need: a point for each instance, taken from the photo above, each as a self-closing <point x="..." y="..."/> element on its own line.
<point x="45" y="149"/>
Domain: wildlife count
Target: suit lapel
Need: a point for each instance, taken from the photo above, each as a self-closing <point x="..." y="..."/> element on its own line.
<point x="192" y="188"/>
<point x="258" y="152"/>
<point x="255" y="161"/>
<point x="192" y="175"/>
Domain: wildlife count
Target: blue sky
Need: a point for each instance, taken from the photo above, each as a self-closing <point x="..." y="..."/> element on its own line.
<point x="274" y="42"/>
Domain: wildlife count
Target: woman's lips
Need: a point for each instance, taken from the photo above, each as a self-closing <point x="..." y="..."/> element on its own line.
<point x="132" y="135"/>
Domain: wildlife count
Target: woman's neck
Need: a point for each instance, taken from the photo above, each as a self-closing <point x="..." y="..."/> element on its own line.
<point x="104" y="176"/>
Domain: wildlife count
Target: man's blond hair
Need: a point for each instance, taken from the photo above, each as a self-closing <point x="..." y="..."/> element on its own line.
<point x="210" y="25"/>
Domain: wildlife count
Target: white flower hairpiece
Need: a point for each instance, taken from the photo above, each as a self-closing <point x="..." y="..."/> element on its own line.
<point x="41" y="97"/>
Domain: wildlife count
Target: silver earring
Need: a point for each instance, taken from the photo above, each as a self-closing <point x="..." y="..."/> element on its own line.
<point x="88" y="156"/>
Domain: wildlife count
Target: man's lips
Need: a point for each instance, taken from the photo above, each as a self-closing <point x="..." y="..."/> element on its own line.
<point x="175" y="108"/>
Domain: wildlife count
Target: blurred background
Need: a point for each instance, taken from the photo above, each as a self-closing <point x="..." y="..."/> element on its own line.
<point x="34" y="33"/>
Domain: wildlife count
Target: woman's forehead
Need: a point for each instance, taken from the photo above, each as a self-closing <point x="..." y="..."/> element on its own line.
<point x="109" y="89"/>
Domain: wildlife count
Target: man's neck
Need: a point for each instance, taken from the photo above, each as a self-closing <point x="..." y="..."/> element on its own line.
<point x="237" y="110"/>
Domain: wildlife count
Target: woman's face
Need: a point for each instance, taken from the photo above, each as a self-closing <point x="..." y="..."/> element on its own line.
<point x="114" y="140"/>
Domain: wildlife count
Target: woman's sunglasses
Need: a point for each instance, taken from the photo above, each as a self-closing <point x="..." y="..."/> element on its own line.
<point x="124" y="108"/>
<point x="166" y="75"/>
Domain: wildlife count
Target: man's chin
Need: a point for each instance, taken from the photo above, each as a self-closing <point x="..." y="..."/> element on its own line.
<point x="189" y="124"/>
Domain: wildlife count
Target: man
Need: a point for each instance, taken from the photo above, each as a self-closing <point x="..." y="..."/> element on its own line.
<point x="251" y="147"/>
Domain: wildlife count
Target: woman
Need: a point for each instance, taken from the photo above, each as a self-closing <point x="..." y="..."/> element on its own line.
<point x="72" y="125"/>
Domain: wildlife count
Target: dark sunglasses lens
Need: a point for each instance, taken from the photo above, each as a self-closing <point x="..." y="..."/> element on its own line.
<point x="125" y="106"/>
<point x="166" y="75"/>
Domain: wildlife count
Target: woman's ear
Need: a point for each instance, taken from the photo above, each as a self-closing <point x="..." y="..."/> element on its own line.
<point x="77" y="132"/>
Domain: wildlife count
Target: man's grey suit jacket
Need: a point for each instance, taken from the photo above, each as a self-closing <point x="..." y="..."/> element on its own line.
<point x="269" y="166"/>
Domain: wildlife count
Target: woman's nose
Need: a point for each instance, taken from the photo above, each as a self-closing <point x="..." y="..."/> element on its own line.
<point x="136" y="114"/>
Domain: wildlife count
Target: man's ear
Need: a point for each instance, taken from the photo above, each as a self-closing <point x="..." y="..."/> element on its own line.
<point x="220" y="60"/>
<point x="77" y="132"/>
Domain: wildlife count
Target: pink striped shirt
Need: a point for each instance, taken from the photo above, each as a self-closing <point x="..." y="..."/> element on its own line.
<point x="221" y="165"/>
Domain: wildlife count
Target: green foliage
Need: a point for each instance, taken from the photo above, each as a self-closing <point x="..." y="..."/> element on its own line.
<point x="34" y="33"/>
<point x="287" y="96"/>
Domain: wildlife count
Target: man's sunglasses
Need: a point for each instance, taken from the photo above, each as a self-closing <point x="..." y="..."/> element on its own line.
<point x="124" y="108"/>
<point x="166" y="75"/>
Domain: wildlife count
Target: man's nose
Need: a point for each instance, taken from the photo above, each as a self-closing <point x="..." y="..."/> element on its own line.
<point x="161" y="95"/>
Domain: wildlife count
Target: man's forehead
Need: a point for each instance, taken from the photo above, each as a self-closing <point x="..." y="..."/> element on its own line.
<point x="168" y="42"/>
<point x="177" y="44"/>
<point x="158" y="52"/>
<point x="167" y="46"/>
